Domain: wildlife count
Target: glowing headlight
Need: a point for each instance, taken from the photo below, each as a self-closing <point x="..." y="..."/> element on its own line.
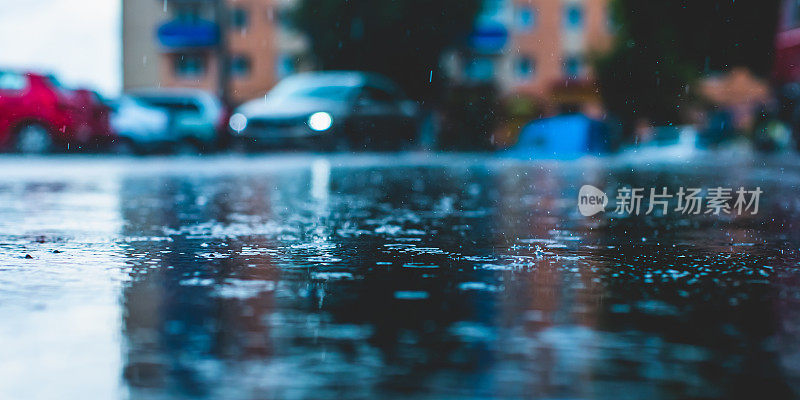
<point x="238" y="122"/>
<point x="320" y="121"/>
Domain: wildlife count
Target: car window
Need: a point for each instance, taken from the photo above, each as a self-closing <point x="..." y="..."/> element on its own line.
<point x="12" y="81"/>
<point x="328" y="92"/>
<point x="173" y="105"/>
<point x="325" y="92"/>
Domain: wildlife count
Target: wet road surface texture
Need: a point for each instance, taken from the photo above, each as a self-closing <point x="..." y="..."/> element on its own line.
<point x="382" y="276"/>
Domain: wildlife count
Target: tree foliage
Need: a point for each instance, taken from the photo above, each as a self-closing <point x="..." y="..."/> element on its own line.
<point x="403" y="39"/>
<point x="663" y="46"/>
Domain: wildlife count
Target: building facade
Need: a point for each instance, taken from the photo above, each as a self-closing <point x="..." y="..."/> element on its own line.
<point x="237" y="49"/>
<point x="140" y="51"/>
<point x="526" y="47"/>
<point x="534" y="47"/>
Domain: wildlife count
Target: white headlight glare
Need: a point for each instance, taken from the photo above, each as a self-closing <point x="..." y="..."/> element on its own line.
<point x="238" y="122"/>
<point x="320" y="121"/>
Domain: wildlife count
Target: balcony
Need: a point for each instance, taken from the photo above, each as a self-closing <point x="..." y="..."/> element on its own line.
<point x="196" y="33"/>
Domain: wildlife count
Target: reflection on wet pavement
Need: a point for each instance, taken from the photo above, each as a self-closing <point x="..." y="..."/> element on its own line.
<point x="390" y="277"/>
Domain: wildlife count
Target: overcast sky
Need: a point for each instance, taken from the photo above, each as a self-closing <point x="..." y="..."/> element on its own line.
<point x="78" y="40"/>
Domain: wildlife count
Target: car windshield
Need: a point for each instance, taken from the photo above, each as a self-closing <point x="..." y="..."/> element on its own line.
<point x="54" y="81"/>
<point x="172" y="105"/>
<point x="311" y="89"/>
<point x="56" y="84"/>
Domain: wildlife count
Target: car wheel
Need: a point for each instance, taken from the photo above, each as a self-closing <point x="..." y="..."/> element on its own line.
<point x="33" y="139"/>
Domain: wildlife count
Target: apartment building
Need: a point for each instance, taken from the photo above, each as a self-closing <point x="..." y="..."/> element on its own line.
<point x="236" y="48"/>
<point x="528" y="47"/>
<point x="534" y="47"/>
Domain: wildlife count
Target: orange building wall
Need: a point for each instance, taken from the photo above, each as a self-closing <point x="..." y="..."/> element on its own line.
<point x="544" y="42"/>
<point x="257" y="42"/>
<point x="598" y="25"/>
<point x="207" y="81"/>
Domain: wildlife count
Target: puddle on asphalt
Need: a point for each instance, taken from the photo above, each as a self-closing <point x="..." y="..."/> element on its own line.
<point x="324" y="280"/>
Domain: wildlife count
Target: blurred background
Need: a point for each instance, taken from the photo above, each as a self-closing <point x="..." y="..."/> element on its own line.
<point x="536" y="77"/>
<point x="396" y="240"/>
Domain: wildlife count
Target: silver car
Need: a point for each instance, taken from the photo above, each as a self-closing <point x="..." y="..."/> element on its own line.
<point x="328" y="110"/>
<point x="195" y="116"/>
<point x="138" y="127"/>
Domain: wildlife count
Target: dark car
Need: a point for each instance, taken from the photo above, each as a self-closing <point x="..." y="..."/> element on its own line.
<point x="329" y="110"/>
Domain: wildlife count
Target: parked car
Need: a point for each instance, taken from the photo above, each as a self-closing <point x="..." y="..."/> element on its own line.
<point x="97" y="116"/>
<point x="328" y="109"/>
<point x="38" y="115"/>
<point x="140" y="128"/>
<point x="196" y="117"/>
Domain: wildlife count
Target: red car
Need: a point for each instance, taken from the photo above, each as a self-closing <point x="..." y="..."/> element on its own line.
<point x="37" y="115"/>
<point x="98" y="116"/>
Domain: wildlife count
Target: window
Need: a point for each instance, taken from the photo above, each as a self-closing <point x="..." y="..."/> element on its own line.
<point x="190" y="65"/>
<point x="480" y="69"/>
<point x="573" y="66"/>
<point x="171" y="104"/>
<point x="188" y="12"/>
<point x="285" y="65"/>
<point x="525" y="68"/>
<point x="12" y="81"/>
<point x="239" y="18"/>
<point x="791" y="18"/>
<point x="611" y="21"/>
<point x="492" y="9"/>
<point x="240" y="66"/>
<point x="573" y="17"/>
<point x="526" y="18"/>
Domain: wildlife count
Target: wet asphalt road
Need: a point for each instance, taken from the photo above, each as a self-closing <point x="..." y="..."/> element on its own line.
<point x="391" y="276"/>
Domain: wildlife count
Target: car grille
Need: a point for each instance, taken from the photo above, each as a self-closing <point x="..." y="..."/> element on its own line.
<point x="274" y="123"/>
<point x="276" y="128"/>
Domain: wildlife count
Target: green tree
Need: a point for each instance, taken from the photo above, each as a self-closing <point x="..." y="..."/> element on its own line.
<point x="402" y="39"/>
<point x="663" y="46"/>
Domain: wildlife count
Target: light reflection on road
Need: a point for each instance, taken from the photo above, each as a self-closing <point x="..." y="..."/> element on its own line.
<point x="309" y="276"/>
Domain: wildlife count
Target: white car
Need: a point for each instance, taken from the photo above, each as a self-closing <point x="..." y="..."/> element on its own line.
<point x="139" y="127"/>
<point x="196" y="117"/>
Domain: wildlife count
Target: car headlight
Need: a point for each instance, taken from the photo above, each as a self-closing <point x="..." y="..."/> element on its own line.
<point x="320" y="121"/>
<point x="238" y="122"/>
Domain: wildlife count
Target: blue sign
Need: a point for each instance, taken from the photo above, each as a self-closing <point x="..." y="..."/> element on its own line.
<point x="179" y="34"/>
<point x="488" y="37"/>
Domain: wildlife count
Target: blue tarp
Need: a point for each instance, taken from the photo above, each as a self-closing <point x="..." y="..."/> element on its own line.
<point x="565" y="136"/>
